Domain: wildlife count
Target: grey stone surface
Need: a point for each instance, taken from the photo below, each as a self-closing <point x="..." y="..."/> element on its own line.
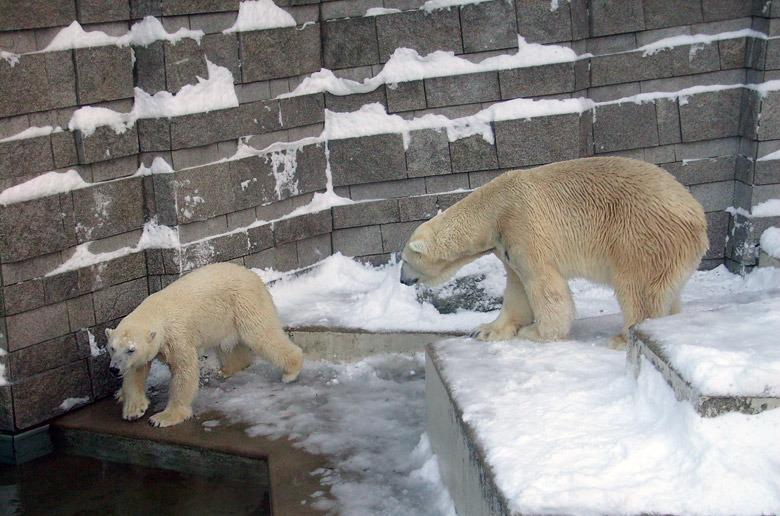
<point x="302" y="110"/>
<point x="302" y="227"/>
<point x="104" y="73"/>
<point x="660" y="14"/>
<point x="204" y="192"/>
<point x="538" y="23"/>
<point x="32" y="85"/>
<point x="462" y="89"/>
<point x="424" y="32"/>
<point x="81" y="312"/>
<point x="41" y="324"/>
<point x="733" y="53"/>
<point x="615" y="16"/>
<point x="105" y="144"/>
<point x="313" y="250"/>
<point x="108" y="209"/>
<point x="204" y="128"/>
<point x="769" y="128"/>
<point x="32" y="228"/>
<point x="18" y="157"/>
<point x="119" y="300"/>
<point x="24" y="296"/>
<point x="539" y="140"/>
<point x="725" y="9"/>
<point x="448" y="183"/>
<point x="275" y="53"/>
<point x="421" y="207"/>
<point x="488" y="26"/>
<point x="354" y="101"/>
<point x="349" y="42"/>
<point x="428" y="153"/>
<point x="64" y="149"/>
<point x="36" y="13"/>
<point x="534" y="81"/>
<point x="625" y="126"/>
<point x="252" y="182"/>
<point x="259" y="117"/>
<point x="99" y="11"/>
<point x="709" y="170"/>
<point x="387" y="189"/>
<point x="668" y="118"/>
<point x="630" y="66"/>
<point x="717" y="229"/>
<point x="154" y="134"/>
<point x="405" y="96"/>
<point x="150" y="67"/>
<point x="394" y="236"/>
<point x="365" y="213"/>
<point x="198" y="6"/>
<point x="367" y="160"/>
<point x="43" y="357"/>
<point x="714" y="196"/>
<point x="711" y="115"/>
<point x="184" y="61"/>
<point x="38" y="398"/>
<point x="473" y="153"/>
<point x="767" y="172"/>
<point x="359" y="241"/>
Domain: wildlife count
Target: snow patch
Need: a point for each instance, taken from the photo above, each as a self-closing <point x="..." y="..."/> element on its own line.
<point x="697" y="40"/>
<point x="70" y="403"/>
<point x="142" y="33"/>
<point x="259" y="15"/>
<point x="9" y="57"/>
<point x="49" y="183"/>
<point x="770" y="242"/>
<point x="33" y="132"/>
<point x="768" y="208"/>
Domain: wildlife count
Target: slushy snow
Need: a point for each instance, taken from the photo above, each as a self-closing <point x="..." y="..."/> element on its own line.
<point x="588" y="440"/>
<point x="770" y="242"/>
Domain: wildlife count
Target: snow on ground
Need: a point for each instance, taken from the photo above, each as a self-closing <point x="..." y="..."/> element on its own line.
<point x="588" y="440"/>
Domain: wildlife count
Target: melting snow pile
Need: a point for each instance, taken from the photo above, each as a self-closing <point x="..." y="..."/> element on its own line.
<point x="567" y="428"/>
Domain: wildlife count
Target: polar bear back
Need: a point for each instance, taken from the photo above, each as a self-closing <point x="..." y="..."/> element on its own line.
<point x="212" y="301"/>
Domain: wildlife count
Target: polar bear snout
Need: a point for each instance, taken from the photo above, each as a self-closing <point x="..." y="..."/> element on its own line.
<point x="115" y="372"/>
<point x="408" y="275"/>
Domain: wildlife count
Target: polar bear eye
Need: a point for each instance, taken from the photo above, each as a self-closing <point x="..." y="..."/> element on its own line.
<point x="130" y="351"/>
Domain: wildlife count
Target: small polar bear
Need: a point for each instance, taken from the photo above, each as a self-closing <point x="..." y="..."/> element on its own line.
<point x="223" y="306"/>
<point x="615" y="221"/>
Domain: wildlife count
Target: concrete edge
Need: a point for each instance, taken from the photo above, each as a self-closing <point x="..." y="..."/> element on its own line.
<point x="462" y="464"/>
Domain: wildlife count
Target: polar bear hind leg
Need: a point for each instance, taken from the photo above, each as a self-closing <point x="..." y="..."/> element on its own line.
<point x="237" y="359"/>
<point x="273" y="344"/>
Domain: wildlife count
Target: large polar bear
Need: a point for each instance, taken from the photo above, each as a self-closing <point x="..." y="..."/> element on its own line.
<point x="616" y="221"/>
<point x="223" y="305"/>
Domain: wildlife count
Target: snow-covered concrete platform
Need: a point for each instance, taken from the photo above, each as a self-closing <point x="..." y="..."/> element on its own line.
<point x="566" y="428"/>
<point x="724" y="360"/>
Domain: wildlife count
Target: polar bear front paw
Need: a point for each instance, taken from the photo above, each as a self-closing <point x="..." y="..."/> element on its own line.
<point x="133" y="408"/>
<point x="493" y="331"/>
<point x="169" y="417"/>
<point x="617" y="342"/>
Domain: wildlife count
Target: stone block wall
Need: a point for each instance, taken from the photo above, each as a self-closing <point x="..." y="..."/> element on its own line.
<point x="274" y="180"/>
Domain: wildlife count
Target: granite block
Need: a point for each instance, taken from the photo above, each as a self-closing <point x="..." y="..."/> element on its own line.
<point x="540" y="140"/>
<point x="302" y="227"/>
<point x="538" y="23"/>
<point x="358" y="241"/>
<point x="535" y="81"/>
<point x="473" y="153"/>
<point x="32" y="228"/>
<point x="394" y="236"/>
<point x="624" y="126"/>
<point x="204" y="192"/>
<point x="25" y="156"/>
<point x="462" y="89"/>
<point x="39" y="398"/>
<point x="421" y="31"/>
<point x="35" y="14"/>
<point x="708" y="170"/>
<point x="44" y="356"/>
<point x="365" y="213"/>
<point x="150" y="67"/>
<point x="108" y="209"/>
<point x="769" y="128"/>
<point x="100" y="11"/>
<point x="714" y="10"/>
<point x="349" y="42"/>
<point x="660" y="13"/>
<point x="275" y="53"/>
<point x="64" y="149"/>
<point x="367" y="159"/>
<point x="428" y="153"/>
<point x="23" y="297"/>
<point x="105" y="144"/>
<point x="302" y="110"/>
<point x="41" y="324"/>
<point x="710" y="115"/>
<point x="314" y="249"/>
<point x="354" y="101"/>
<point x="119" y="300"/>
<point x="181" y="7"/>
<point x="405" y="96"/>
<point x="488" y="26"/>
<point x="104" y="73"/>
<point x="615" y="17"/>
<point x="205" y="128"/>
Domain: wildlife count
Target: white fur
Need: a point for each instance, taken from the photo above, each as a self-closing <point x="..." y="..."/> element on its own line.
<point x="223" y="306"/>
<point x="617" y="221"/>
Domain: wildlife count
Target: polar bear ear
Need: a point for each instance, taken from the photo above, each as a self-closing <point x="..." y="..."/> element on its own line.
<point x="109" y="331"/>
<point x="418" y="246"/>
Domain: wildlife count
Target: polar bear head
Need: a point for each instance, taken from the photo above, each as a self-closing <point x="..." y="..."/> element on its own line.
<point x="132" y="345"/>
<point x="436" y="250"/>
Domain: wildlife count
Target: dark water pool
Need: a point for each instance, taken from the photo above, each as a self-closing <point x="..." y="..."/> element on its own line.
<point x="68" y="485"/>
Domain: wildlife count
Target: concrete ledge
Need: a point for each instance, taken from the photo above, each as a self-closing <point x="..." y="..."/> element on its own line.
<point x="642" y="345"/>
<point x="464" y="470"/>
